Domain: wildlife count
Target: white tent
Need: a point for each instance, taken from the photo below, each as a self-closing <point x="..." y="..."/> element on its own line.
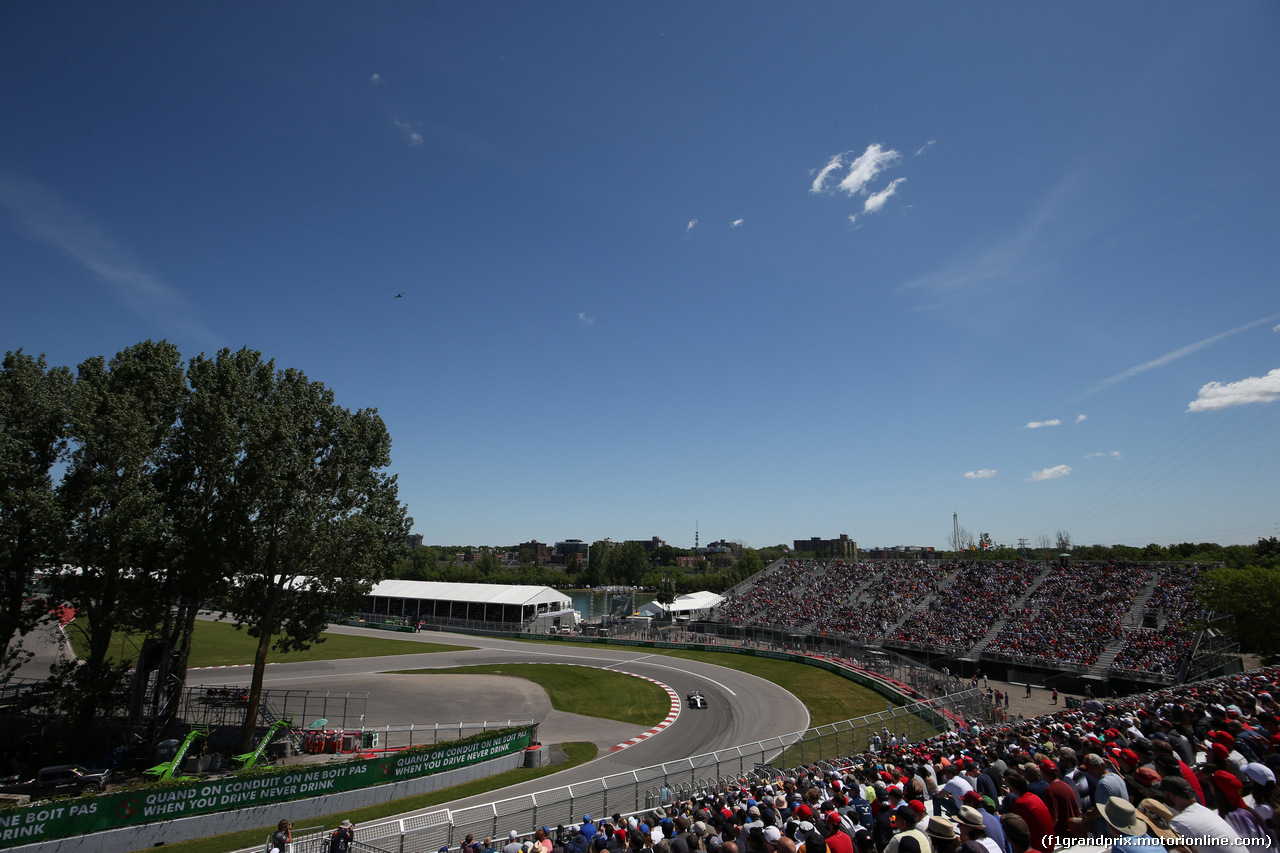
<point x="695" y="605"/>
<point x="478" y="602"/>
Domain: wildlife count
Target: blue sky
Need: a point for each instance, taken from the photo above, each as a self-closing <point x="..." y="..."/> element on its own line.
<point x="775" y="270"/>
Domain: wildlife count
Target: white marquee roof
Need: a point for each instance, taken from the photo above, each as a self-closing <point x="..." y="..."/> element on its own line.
<point x="479" y="593"/>
<point x="694" y="601"/>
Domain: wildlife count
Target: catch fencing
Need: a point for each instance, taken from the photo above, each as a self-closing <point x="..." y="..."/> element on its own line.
<point x="643" y="789"/>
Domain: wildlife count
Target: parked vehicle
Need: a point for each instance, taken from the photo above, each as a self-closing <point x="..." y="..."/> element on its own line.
<point x="62" y="780"/>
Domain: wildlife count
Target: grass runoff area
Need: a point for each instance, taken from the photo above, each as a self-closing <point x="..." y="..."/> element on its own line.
<point x="573" y="688"/>
<point x="220" y="644"/>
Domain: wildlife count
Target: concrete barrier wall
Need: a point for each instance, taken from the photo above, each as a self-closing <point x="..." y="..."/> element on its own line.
<point x="301" y="812"/>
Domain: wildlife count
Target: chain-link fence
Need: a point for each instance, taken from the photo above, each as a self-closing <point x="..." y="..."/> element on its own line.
<point x="643" y="789"/>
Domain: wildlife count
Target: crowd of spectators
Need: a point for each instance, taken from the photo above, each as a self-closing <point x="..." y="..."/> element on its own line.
<point x="1075" y="613"/>
<point x="1162" y="647"/>
<point x="797" y="593"/>
<point x="977" y="596"/>
<point x="875" y="612"/>
<point x="1190" y="768"/>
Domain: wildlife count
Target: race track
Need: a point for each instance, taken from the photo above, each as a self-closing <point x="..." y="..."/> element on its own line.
<point x="741" y="707"/>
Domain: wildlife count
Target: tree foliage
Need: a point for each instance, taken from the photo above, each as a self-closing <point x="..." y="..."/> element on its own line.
<point x="34" y="405"/>
<point x="312" y="521"/>
<point x="1250" y="595"/>
<point x="224" y="480"/>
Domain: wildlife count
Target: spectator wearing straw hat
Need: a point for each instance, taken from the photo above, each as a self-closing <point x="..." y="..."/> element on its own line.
<point x="1123" y="818"/>
<point x="972" y="829"/>
<point x="943" y="835"/>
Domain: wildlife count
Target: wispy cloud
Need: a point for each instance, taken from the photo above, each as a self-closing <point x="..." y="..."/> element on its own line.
<point x="585" y="320"/>
<point x="410" y="131"/>
<point x="1252" y="389"/>
<point x="862" y="170"/>
<point x="1050" y="473"/>
<point x="1039" y="424"/>
<point x="43" y="215"/>
<point x="980" y="474"/>
<point x="376" y="79"/>
<point x="875" y="201"/>
<point x="1080" y="418"/>
<point x="1014" y="258"/>
<point x="1114" y="454"/>
<point x="922" y="148"/>
<point x="692" y="224"/>
<point x="1170" y="357"/>
<point x="1276" y="328"/>
<point x="737" y="223"/>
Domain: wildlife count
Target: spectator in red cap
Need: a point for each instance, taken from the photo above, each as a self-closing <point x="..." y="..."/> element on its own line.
<point x="838" y="841"/>
<point x="1233" y="809"/>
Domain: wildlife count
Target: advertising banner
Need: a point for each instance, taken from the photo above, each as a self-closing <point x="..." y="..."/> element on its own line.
<point x="80" y="816"/>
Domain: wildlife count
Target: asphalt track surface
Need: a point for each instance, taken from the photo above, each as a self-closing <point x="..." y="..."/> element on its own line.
<point x="742" y="708"/>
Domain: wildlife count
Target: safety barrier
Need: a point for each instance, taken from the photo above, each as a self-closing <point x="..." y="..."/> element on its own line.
<point x="643" y="789"/>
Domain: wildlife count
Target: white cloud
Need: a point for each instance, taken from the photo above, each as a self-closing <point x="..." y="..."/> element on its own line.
<point x="853" y="218"/>
<point x="922" y="148"/>
<point x="45" y="216"/>
<point x="690" y="226"/>
<point x="585" y="320"/>
<point x="836" y="162"/>
<point x="1080" y="418"/>
<point x="1050" y="473"/>
<point x="876" y="200"/>
<point x="1276" y="328"/>
<point x="1252" y="389"/>
<point x="376" y="79"/>
<point x="1171" y="357"/>
<point x="862" y="170"/>
<point x="980" y="474"/>
<point x="415" y="138"/>
<point x="1039" y="424"/>
<point x="1114" y="454"/>
<point x="737" y="223"/>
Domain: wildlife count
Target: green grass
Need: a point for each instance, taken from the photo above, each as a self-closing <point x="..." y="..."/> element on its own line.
<point x="220" y="644"/>
<point x="828" y="697"/>
<point x="577" y="690"/>
<point x="578" y="753"/>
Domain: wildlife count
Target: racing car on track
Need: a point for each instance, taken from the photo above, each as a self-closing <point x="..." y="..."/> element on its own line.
<point x="697" y="700"/>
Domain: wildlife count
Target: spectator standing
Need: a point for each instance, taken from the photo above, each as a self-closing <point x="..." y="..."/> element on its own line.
<point x="282" y="838"/>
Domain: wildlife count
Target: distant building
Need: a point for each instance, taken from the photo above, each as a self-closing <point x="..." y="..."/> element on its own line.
<point x="723" y="547"/>
<point x="649" y="545"/>
<point x="566" y="549"/>
<point x="541" y="554"/>
<point x="843" y="548"/>
<point x="414" y="541"/>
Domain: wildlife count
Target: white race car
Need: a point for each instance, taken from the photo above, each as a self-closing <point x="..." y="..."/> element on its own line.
<point x="697" y="700"/>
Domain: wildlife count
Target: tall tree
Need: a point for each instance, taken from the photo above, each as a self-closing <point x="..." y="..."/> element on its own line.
<point x="122" y="413"/>
<point x="315" y="521"/>
<point x="34" y="404"/>
<point x="198" y="477"/>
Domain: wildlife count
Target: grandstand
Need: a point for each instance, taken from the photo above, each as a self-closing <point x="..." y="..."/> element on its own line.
<point x="1137" y="624"/>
